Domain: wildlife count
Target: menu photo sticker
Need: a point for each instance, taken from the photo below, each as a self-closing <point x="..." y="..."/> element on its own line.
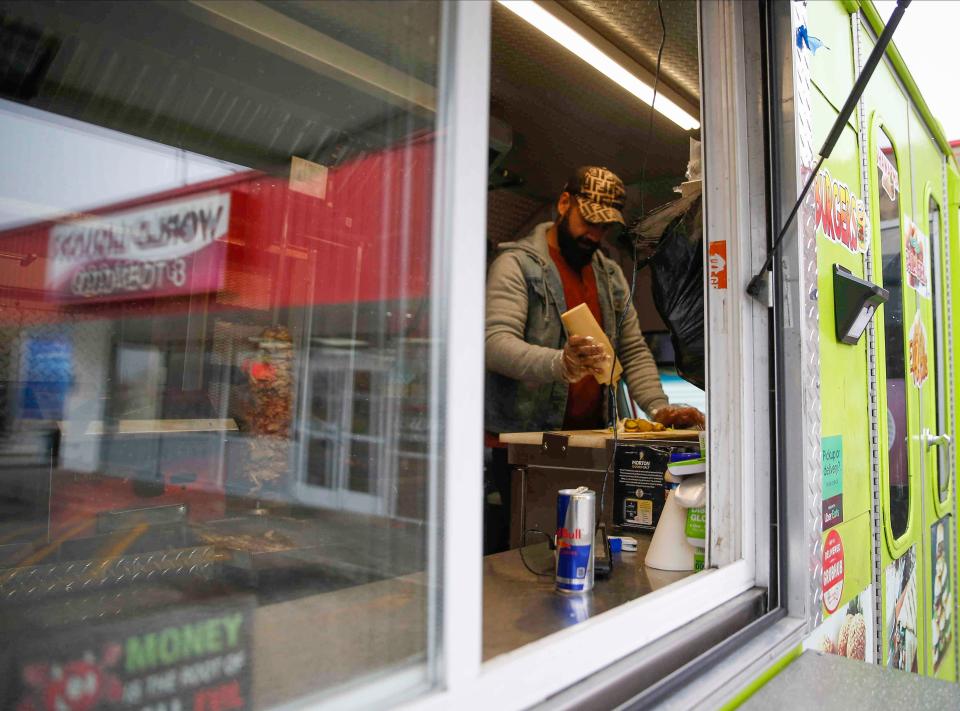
<point x="941" y="611"/>
<point x="889" y="179"/>
<point x="849" y="632"/>
<point x="839" y="214"/>
<point x="900" y="584"/>
<point x="919" y="362"/>
<point x="917" y="250"/>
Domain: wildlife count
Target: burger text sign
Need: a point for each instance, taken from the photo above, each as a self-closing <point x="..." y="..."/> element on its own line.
<point x="166" y="249"/>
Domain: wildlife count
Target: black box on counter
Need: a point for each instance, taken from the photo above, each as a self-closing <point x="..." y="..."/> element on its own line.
<point x="638" y="485"/>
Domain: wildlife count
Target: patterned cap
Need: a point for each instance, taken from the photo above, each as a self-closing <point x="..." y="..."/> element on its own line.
<point x="600" y="194"/>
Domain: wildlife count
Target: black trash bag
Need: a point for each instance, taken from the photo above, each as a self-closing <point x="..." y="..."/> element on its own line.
<point x="677" y="270"/>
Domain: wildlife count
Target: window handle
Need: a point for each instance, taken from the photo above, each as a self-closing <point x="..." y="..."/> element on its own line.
<point x="932" y="440"/>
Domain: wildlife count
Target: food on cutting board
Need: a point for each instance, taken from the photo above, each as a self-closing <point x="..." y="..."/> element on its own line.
<point x="638" y="424"/>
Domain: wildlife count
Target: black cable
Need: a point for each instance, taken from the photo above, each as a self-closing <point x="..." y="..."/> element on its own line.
<point x="523" y="559"/>
<point x="633" y="277"/>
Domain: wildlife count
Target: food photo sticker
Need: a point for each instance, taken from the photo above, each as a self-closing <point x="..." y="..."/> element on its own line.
<point x="942" y="608"/>
<point x="839" y="214"/>
<point x="889" y="179"/>
<point x="917" y="249"/>
<point x="919" y="364"/>
<point x="901" y="611"/>
<point x="849" y="632"/>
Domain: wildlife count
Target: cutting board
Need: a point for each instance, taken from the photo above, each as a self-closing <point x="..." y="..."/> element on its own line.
<point x="597" y="439"/>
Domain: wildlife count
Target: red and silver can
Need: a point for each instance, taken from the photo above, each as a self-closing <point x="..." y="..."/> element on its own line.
<point x="576" y="521"/>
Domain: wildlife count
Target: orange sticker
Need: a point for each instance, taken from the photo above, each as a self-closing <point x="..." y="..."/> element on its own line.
<point x="919" y="366"/>
<point x="718" y="264"/>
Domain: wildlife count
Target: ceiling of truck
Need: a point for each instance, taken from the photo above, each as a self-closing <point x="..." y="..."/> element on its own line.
<point x="564" y="113"/>
<point x="634" y="27"/>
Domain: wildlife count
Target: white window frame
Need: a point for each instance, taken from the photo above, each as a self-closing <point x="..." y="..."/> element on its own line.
<point x="739" y="442"/>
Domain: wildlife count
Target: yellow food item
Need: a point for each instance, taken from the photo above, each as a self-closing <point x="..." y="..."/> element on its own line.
<point x="857" y="638"/>
<point x="638" y="424"/>
<point x="844" y="635"/>
<point x="919" y="368"/>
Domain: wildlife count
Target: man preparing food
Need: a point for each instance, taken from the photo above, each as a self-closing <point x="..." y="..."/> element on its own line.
<point x="538" y="379"/>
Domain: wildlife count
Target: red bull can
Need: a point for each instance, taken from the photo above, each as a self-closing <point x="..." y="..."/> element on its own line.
<point x="576" y="521"/>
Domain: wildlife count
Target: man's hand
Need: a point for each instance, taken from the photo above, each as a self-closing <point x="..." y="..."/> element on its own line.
<point x="582" y="355"/>
<point x="680" y="417"/>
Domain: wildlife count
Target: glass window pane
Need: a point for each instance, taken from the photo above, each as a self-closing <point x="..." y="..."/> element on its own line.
<point x="943" y="453"/>
<point x="215" y="259"/>
<point x="552" y="250"/>
<point x="890" y="248"/>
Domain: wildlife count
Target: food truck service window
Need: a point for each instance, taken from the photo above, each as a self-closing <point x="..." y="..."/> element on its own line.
<point x="641" y="265"/>
<point x="245" y="383"/>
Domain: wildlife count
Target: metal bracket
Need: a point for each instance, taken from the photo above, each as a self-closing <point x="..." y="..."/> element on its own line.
<point x="555" y="444"/>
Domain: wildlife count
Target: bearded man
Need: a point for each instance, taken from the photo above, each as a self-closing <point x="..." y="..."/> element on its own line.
<point x="538" y="379"/>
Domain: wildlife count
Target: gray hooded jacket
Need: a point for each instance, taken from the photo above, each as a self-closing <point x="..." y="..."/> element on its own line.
<point x="525" y="389"/>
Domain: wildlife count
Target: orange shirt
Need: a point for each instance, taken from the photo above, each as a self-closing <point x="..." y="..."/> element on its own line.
<point x="585" y="397"/>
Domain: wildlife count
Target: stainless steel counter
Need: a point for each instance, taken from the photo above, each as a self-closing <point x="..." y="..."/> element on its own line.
<point x="320" y="641"/>
<point x="519" y="607"/>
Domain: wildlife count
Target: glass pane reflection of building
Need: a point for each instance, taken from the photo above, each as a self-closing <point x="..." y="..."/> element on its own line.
<point x="214" y="346"/>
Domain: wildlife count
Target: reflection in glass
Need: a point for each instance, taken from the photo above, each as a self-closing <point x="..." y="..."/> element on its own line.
<point x="214" y="298"/>
<point x="890" y="248"/>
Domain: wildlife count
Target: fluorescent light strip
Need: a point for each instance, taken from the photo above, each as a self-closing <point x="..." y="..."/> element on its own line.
<point x="572" y="40"/>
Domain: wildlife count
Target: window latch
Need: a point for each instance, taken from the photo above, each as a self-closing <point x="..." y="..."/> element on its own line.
<point x="931" y="440"/>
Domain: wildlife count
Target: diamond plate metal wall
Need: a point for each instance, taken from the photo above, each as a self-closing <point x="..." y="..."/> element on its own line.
<point x="810" y="324"/>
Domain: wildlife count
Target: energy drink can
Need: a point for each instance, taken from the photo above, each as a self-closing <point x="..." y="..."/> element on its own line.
<point x="576" y="521"/>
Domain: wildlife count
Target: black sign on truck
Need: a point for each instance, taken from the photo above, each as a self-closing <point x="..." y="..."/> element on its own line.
<point x="638" y="487"/>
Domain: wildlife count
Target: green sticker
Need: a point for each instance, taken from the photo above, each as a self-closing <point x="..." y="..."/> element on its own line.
<point x="698" y="559"/>
<point x="832" y="465"/>
<point x="696" y="522"/>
